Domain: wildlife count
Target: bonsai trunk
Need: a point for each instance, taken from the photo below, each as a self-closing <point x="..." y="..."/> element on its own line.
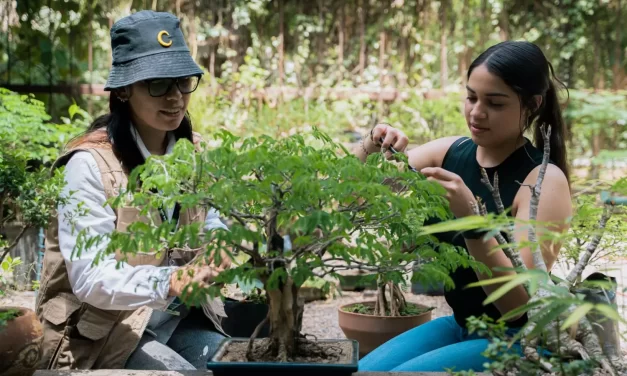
<point x="396" y="303"/>
<point x="285" y="316"/>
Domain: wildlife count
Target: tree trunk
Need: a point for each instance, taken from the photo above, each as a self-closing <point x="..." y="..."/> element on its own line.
<point x="362" y="38"/>
<point x="618" y="66"/>
<point x="597" y="146"/>
<point x="320" y="38"/>
<point x="341" y="34"/>
<point x="382" y="38"/>
<point x="463" y="56"/>
<point x="483" y="26"/>
<point x="285" y="316"/>
<point x="193" y="42"/>
<point x="597" y="79"/>
<point x="281" y="43"/>
<point x="504" y="24"/>
<point x="443" y="43"/>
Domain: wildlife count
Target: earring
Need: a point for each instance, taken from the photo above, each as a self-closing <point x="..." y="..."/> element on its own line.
<point x="122" y="99"/>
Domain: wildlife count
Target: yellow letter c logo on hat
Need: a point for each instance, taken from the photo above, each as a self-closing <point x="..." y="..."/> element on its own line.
<point x="160" y="39"/>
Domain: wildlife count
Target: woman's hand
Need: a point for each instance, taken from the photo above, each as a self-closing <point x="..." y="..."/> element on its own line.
<point x="457" y="193"/>
<point x="391" y="137"/>
<point x="191" y="274"/>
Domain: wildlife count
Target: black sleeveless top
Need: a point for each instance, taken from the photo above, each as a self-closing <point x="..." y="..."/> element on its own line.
<point x="461" y="158"/>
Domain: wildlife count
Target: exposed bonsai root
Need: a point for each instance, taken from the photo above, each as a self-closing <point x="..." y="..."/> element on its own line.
<point x="310" y="348"/>
<point x="395" y="304"/>
<point x="398" y="296"/>
<point x="249" y="351"/>
<point x="282" y="353"/>
<point x="381" y="304"/>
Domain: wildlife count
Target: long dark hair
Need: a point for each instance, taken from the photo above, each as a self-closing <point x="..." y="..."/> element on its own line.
<point x="118" y="125"/>
<point x="524" y="68"/>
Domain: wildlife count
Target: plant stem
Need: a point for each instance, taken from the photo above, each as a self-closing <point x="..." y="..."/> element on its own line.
<point x="575" y="273"/>
<point x="10" y="247"/>
<point x="538" y="261"/>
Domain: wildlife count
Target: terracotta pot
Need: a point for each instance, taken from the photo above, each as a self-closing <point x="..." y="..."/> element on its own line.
<point x="372" y="331"/>
<point x="20" y="343"/>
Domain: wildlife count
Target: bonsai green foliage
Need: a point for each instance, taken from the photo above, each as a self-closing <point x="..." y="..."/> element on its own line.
<point x="410" y="309"/>
<point x="339" y="213"/>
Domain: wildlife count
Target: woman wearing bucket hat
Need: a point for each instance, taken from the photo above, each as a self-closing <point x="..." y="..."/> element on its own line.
<point x="107" y="315"/>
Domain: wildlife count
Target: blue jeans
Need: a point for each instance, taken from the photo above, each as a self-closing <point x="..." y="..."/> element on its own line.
<point x="436" y="346"/>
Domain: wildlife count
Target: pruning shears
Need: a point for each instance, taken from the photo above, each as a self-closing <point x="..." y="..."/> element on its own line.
<point x="390" y="148"/>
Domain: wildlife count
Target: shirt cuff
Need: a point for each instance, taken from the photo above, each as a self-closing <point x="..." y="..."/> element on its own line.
<point x="159" y="295"/>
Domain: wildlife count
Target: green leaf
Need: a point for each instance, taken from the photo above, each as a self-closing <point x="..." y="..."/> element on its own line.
<point x="609" y="312"/>
<point x="73" y="110"/>
<point x="577" y="315"/>
<point x="460" y="224"/>
<point x="520" y="310"/>
<point x="548" y="315"/>
<point x="496" y="295"/>
<point x="492" y="281"/>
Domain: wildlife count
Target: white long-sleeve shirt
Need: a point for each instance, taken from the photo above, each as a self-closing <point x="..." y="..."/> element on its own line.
<point x="105" y="285"/>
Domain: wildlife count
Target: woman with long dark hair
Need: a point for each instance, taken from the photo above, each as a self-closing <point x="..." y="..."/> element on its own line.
<point x="511" y="90"/>
<point x="123" y="311"/>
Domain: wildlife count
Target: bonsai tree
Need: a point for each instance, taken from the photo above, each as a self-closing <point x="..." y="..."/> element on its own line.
<point x="338" y="212"/>
<point x="560" y="315"/>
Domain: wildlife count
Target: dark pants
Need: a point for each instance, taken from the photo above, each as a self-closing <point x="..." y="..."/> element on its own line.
<point x="192" y="342"/>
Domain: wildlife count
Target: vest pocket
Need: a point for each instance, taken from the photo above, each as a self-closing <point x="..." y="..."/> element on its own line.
<point x="96" y="323"/>
<point x="81" y="344"/>
<point x="125" y="217"/>
<point x="59" y="309"/>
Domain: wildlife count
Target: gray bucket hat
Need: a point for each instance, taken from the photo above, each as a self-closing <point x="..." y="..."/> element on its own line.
<point x="149" y="45"/>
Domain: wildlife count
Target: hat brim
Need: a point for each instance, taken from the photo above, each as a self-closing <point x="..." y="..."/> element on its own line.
<point x="163" y="65"/>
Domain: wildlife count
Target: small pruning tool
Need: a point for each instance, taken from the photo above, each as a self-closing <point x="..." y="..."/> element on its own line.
<point x="390" y="148"/>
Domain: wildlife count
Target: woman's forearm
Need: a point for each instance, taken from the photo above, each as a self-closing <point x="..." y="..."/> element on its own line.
<point x="486" y="253"/>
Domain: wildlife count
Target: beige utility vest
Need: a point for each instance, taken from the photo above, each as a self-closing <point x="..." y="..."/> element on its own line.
<point x="78" y="335"/>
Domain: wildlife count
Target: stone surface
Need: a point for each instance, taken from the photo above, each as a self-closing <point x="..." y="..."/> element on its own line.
<point x="207" y="373"/>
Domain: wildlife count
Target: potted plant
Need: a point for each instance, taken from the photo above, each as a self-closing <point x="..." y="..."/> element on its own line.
<point x="335" y="209"/>
<point x="374" y="322"/>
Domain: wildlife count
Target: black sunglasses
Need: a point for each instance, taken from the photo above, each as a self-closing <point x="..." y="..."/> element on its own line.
<point x="161" y="86"/>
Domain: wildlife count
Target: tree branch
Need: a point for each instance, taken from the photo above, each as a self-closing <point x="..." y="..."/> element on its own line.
<point x="538" y="261"/>
<point x="575" y="273"/>
<point x="14" y="243"/>
<point x="2" y="199"/>
<point x="496" y="195"/>
<point x="512" y="255"/>
<point x="257" y="259"/>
